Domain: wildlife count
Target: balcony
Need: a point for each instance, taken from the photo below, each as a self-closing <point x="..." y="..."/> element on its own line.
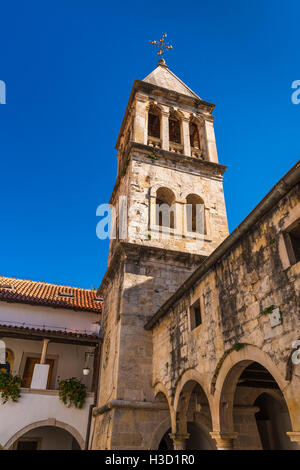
<point x="40" y="416"/>
<point x="39" y="419"/>
<point x="176" y="148"/>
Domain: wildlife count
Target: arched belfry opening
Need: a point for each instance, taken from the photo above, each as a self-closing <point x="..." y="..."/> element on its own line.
<point x="195" y="214"/>
<point x="154" y="122"/>
<point x="174" y="129"/>
<point x="165" y="210"/>
<point x="194" y="136"/>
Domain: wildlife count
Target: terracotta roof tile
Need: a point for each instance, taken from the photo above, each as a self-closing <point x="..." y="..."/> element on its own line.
<point x="42" y="293"/>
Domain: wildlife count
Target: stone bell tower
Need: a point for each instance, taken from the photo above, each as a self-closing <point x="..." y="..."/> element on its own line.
<point x="167" y="157"/>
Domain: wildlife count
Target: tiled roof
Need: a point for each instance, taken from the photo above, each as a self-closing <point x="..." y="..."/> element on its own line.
<point x="42" y="293"/>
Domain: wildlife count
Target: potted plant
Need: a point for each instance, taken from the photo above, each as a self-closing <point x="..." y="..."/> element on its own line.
<point x="72" y="392"/>
<point x="10" y="386"/>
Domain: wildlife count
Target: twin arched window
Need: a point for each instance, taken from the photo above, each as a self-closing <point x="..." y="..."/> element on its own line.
<point x="175" y="137"/>
<point x="154" y="125"/>
<point x="194" y="211"/>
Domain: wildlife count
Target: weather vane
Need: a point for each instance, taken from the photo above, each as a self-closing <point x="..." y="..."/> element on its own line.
<point x="162" y="45"/>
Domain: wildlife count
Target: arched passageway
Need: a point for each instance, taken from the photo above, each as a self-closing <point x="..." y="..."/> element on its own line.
<point x="193" y="417"/>
<point x="253" y="406"/>
<point x="273" y="422"/>
<point x="46" y="438"/>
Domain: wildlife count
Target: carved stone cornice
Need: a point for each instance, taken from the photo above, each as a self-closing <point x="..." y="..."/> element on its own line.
<point x="210" y="167"/>
<point x="135" y="252"/>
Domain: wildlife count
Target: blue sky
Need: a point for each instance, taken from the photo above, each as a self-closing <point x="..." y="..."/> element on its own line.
<point x="69" y="67"/>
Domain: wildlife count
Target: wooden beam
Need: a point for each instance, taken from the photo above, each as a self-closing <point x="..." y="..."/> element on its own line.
<point x="40" y="335"/>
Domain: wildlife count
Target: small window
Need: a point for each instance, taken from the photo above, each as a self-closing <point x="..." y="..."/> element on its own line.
<point x="65" y="294"/>
<point x="7" y="366"/>
<point x="195" y="315"/>
<point x="293" y="243"/>
<point x="28" y="444"/>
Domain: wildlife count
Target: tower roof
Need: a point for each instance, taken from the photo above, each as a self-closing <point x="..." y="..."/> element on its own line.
<point x="163" y="77"/>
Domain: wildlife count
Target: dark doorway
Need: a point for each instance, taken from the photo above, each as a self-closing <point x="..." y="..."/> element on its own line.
<point x="166" y="442"/>
<point x="272" y="422"/>
<point x="28" y="445"/>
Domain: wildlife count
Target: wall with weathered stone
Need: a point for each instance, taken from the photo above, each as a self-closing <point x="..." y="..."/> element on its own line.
<point x="233" y="294"/>
<point x="138" y="281"/>
<point x="183" y="178"/>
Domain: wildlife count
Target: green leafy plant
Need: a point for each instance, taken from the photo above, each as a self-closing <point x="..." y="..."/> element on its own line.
<point x="10" y="386"/>
<point x="154" y="157"/>
<point x="149" y="236"/>
<point x="72" y="392"/>
<point x="268" y="310"/>
<point x="238" y="346"/>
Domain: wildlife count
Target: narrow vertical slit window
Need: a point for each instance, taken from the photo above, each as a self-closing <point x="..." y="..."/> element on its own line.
<point x="195" y="315"/>
<point x="292" y="238"/>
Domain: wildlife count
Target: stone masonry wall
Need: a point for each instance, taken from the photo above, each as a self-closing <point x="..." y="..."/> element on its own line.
<point x="251" y="277"/>
<point x="148" y="174"/>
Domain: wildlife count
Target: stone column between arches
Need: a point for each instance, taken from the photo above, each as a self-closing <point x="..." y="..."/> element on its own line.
<point x="179" y="440"/>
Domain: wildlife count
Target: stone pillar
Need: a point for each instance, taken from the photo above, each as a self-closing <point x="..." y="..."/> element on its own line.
<point x="210" y="140"/>
<point x="185" y="132"/>
<point x="224" y="440"/>
<point x="179" y="440"/>
<point x="180" y="228"/>
<point x="147" y="107"/>
<point x="248" y="435"/>
<point x="294" y="436"/>
<point x="44" y="350"/>
<point x="139" y="133"/>
<point x="164" y="128"/>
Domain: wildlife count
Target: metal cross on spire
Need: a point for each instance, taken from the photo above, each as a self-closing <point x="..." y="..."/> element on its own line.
<point x="162" y="45"/>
